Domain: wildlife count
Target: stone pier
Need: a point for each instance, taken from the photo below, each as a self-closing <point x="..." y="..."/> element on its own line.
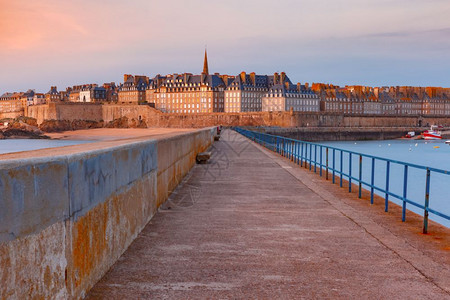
<point x="251" y="224"/>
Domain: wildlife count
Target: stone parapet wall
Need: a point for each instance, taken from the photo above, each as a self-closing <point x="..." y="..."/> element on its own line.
<point x="64" y="220"/>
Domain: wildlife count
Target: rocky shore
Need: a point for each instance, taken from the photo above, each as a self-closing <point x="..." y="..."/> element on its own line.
<point x="21" y="128"/>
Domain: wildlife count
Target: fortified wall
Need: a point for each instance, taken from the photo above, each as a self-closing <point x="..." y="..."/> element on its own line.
<point x="155" y="118"/>
<point x="11" y="115"/>
<point x="67" y="218"/>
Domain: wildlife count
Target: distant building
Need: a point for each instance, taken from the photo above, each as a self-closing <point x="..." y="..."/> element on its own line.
<point x="245" y="92"/>
<point x="111" y="92"/>
<point x="286" y="97"/>
<point x="187" y="93"/>
<point x="53" y="95"/>
<point x="38" y="99"/>
<point x="27" y="98"/>
<point x="93" y="94"/>
<point x="11" y="102"/>
<point x="133" y="89"/>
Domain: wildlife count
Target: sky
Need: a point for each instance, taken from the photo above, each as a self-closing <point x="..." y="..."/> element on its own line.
<point x="343" y="42"/>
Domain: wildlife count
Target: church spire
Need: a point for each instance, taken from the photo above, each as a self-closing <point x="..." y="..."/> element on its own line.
<point x="205" y="64"/>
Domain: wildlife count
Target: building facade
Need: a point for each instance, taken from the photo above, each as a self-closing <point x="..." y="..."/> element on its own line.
<point x="93" y="94"/>
<point x="286" y="97"/>
<point x="11" y="102"/>
<point x="53" y="95"/>
<point x="133" y="89"/>
<point x="187" y="93"/>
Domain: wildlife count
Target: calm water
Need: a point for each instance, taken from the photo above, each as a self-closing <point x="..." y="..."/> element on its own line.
<point x="433" y="154"/>
<point x="9" y="146"/>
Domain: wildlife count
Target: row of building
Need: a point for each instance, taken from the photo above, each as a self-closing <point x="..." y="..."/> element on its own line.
<point x="207" y="93"/>
<point x="15" y="102"/>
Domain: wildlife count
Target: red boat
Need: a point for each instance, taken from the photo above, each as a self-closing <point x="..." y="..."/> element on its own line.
<point x="432" y="134"/>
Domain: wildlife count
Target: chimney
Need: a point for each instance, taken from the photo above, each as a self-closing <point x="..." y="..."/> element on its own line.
<point x="275" y="78"/>
<point x="243" y="75"/>
<point x="253" y="78"/>
<point x="225" y="79"/>
<point x="299" y="87"/>
<point x="283" y="77"/>
<point x="125" y="77"/>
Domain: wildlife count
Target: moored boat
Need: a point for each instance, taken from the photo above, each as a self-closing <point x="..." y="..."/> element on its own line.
<point x="432" y="134"/>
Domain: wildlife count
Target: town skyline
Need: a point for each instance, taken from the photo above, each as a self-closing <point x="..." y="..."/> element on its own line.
<point x="372" y="43"/>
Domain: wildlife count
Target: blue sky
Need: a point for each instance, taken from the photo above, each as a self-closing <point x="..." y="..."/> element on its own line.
<point x="383" y="42"/>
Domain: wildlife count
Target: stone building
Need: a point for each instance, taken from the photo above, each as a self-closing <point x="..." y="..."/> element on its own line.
<point x="53" y="95"/>
<point x="187" y="93"/>
<point x="245" y="92"/>
<point x="286" y="97"/>
<point x="93" y="94"/>
<point x="133" y="89"/>
<point x="74" y="92"/>
<point x="111" y="92"/>
<point x="27" y="98"/>
<point x="11" y="102"/>
<point x="38" y="99"/>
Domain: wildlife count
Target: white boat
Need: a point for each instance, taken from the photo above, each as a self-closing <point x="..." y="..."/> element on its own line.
<point x="447" y="142"/>
<point x="432" y="134"/>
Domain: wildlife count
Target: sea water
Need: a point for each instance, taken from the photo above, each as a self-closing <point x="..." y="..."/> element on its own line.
<point x="18" y="145"/>
<point x="435" y="154"/>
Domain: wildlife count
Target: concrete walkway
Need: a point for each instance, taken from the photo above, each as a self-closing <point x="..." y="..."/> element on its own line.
<point x="248" y="225"/>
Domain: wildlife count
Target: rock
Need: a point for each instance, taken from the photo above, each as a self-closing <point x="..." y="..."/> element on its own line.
<point x="203" y="157"/>
<point x="65" y="125"/>
<point x="118" y="123"/>
<point x="12" y="133"/>
<point x="124" y="122"/>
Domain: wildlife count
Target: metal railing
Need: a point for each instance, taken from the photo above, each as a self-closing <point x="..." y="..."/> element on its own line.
<point x="305" y="154"/>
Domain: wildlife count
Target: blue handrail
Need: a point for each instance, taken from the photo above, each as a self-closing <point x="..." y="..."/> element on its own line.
<point x="305" y="154"/>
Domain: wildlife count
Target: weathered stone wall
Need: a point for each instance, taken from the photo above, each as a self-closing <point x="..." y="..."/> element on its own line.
<point x="10" y="115"/>
<point x="65" y="220"/>
<point x="155" y="118"/>
<point x="315" y="134"/>
<point x="41" y="112"/>
<point x="65" y="111"/>
<point x="73" y="111"/>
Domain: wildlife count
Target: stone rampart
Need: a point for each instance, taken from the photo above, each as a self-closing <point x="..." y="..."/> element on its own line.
<point x="64" y="220"/>
<point x="155" y="118"/>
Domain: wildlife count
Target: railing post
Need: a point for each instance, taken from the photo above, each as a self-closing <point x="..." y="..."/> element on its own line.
<point x="276" y="144"/>
<point x="310" y="156"/>
<point x="301" y="156"/>
<point x="372" y="180"/>
<point x="334" y="164"/>
<point x="326" y="162"/>
<point x="405" y="189"/>
<point x="350" y="172"/>
<point x="360" y="176"/>
<point x="292" y="150"/>
<point x="342" y="156"/>
<point x="315" y="158"/>
<point x="386" y="198"/>
<point x="320" y="160"/>
<point x="427" y="203"/>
